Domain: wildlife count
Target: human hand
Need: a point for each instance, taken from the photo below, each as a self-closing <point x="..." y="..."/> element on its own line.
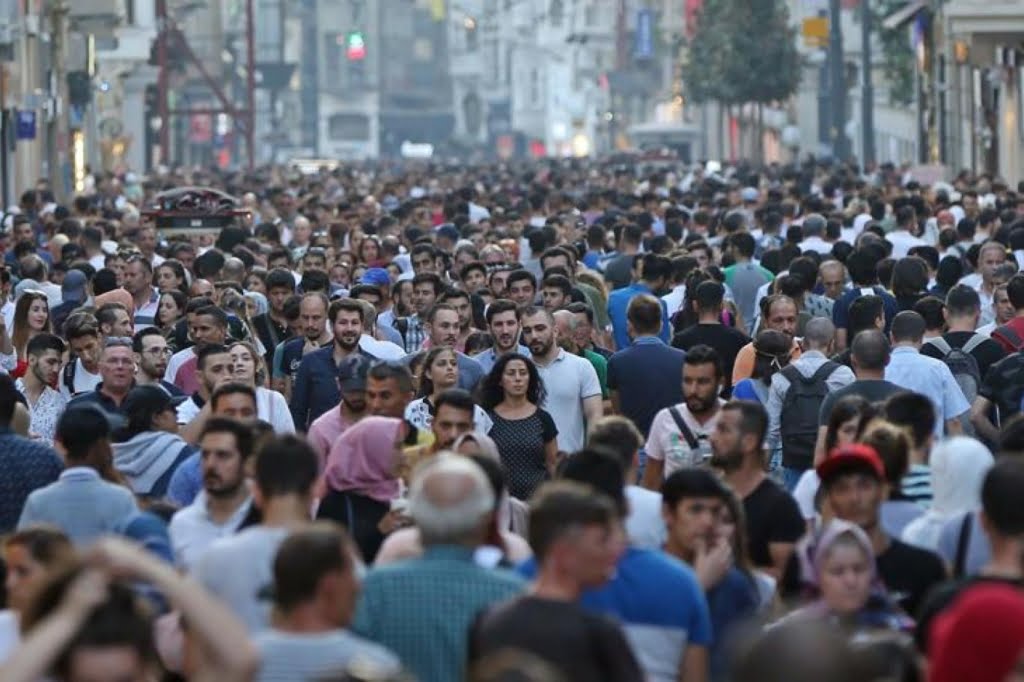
<point x="713" y="561"/>
<point x="87" y="591"/>
<point x="119" y="558"/>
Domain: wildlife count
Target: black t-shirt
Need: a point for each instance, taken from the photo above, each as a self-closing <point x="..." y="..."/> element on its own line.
<point x="582" y="646"/>
<point x="909" y="573"/>
<point x="1003" y="385"/>
<point x="873" y="390"/>
<point x="727" y="341"/>
<point x="942" y="596"/>
<point x="772" y="517"/>
<point x="986" y="353"/>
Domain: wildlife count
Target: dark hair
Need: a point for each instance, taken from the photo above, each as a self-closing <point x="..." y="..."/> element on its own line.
<point x="617" y="435"/>
<point x="349" y="305"/>
<point x="930" y="309"/>
<point x="231" y="388"/>
<point x="279" y="278"/>
<point x="743" y="242"/>
<point x="655" y="266"/>
<point x="180" y="300"/>
<point x="949" y="272"/>
<point x="457" y="398"/>
<point x="470" y="267"/>
<point x="962" y="300"/>
<point x="862" y="266"/>
<point x="913" y="412"/>
<point x="502" y="305"/>
<point x="426" y="384"/>
<point x="1015" y="291"/>
<point x="689" y="483"/>
<point x="1000" y="496"/>
<point x="708" y="296"/>
<point x="9" y="396"/>
<point x="519" y="275"/>
<point x="40" y="343"/>
<point x="909" y="276"/>
<point x="478" y="342"/>
<point x="599" y="469"/>
<point x="560" y="282"/>
<point x="845" y="409"/>
<point x="218" y="315"/>
<point x="491" y="391"/>
<point x="429" y="277"/>
<point x="382" y="371"/>
<point x="243" y="433"/>
<point x="581" y="308"/>
<point x="863" y="312"/>
<point x="704" y="355"/>
<point x="753" y="417"/>
<point x="141" y="334"/>
<point x="304" y="558"/>
<point x="206" y="351"/>
<point x="907" y="326"/>
<point x="286" y="465"/>
<point x="559" y="507"/>
<point x="107" y="313"/>
<point x="644" y="312"/>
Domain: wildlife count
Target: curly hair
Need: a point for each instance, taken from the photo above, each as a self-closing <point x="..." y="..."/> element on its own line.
<point x="492" y="392"/>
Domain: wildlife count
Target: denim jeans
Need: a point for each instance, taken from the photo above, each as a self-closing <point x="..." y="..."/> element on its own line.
<point x="790" y="477"/>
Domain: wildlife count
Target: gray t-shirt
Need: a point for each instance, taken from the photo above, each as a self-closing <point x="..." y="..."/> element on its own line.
<point x="246" y="592"/>
<point x="288" y="657"/>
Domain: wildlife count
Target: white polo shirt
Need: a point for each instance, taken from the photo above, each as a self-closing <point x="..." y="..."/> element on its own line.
<point x="569" y="380"/>
<point x="192" y="530"/>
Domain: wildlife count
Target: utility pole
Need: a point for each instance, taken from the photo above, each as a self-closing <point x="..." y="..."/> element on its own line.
<point x="250" y="83"/>
<point x="57" y="129"/>
<point x="837" y="81"/>
<point x="867" y="91"/>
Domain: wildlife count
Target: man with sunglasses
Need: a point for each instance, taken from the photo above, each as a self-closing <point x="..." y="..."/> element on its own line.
<point x="151" y="356"/>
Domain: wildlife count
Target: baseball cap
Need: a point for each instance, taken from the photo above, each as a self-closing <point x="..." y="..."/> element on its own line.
<point x="85" y="424"/>
<point x="352" y="373"/>
<point x="73" y="286"/>
<point x="151" y="399"/>
<point x="449" y="231"/>
<point x="852" y="457"/>
<point x="377" y="277"/>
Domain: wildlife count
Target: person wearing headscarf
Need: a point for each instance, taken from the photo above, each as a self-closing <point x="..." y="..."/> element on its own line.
<point x="362" y="481"/>
<point x="958" y="468"/>
<point x="980" y="637"/>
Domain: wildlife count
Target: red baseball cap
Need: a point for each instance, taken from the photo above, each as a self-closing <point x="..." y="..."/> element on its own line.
<point x="852" y="457"/>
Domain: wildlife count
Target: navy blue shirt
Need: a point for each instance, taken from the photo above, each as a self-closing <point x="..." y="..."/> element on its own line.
<point x="27" y="465"/>
<point x="732" y="602"/>
<point x="97" y="397"/>
<point x="841" y="309"/>
<point x="316" y="386"/>
<point x="648" y="376"/>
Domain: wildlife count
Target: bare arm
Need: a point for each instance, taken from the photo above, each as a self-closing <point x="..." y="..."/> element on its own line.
<point x="840" y="339"/>
<point x="954" y="427"/>
<point x="819" y="445"/>
<point x="551" y="455"/>
<point x="654" y="474"/>
<point x="694" y="666"/>
<point x="980" y="420"/>
<point x="6" y="347"/>
<point x="191" y="432"/>
<point x="613" y="398"/>
<point x="593" y="410"/>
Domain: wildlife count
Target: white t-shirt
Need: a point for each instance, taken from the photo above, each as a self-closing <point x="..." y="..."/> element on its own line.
<point x="272" y="407"/>
<point x="645" y="526"/>
<point x="569" y="380"/>
<point x="666" y="443"/>
<point x="84" y="381"/>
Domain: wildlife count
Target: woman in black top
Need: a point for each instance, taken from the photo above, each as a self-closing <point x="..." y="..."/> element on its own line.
<point x="524" y="433"/>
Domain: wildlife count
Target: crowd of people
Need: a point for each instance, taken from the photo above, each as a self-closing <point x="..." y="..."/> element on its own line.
<point x="553" y="421"/>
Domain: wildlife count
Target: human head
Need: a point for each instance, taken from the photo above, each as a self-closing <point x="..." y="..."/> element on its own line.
<point x="285" y="466"/>
<point x="151" y="353"/>
<point x="31" y="316"/>
<point x="853" y="481"/>
<point x="959" y="465"/>
<point x="440" y="370"/>
<point x="170" y="309"/>
<point x="443" y="325"/>
<point x="702" y="379"/>
<point x="521" y="287"/>
<point x="346" y="316"/>
<point x="226" y="445"/>
<point x="907" y="328"/>
<point x="707" y="298"/>
<point x="83" y="436"/>
<point x="314" y="567"/>
<point x="313" y="315"/>
<point x="453" y="416"/>
<point x="451" y="501"/>
<point x="779" y="312"/>
<point x="556" y="292"/>
<point x="234" y="400"/>
<point x="209" y="325"/>
<point x="138" y="275"/>
<point x="691" y="503"/>
<point x="538" y="327"/>
<point x="819" y="334"/>
<point x="149" y="408"/>
<point x="117" y="364"/>
<point x="643" y="316"/>
<point x="602" y="471"/>
<point x="738" y="435"/>
<point x="389" y="389"/>
<point x="840" y="561"/>
<point x="513" y="374"/>
<point x="426" y="287"/>
<point x="915" y="413"/>
<point x="832" y="274"/>
<point x="114" y="320"/>
<point x="849" y="413"/>
<point x="44" y="353"/>
<point x="170" y="276"/>
<point x="869" y="352"/>
<point x="30" y="555"/>
<point x="352" y="372"/>
<point x="619" y="436"/>
<point x="991" y="255"/>
<point x="503" y="323"/>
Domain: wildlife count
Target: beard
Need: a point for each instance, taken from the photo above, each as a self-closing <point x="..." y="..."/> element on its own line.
<point x="698" y="405"/>
<point x="729" y="460"/>
<point x="347" y="342"/>
<point x="541" y="348"/>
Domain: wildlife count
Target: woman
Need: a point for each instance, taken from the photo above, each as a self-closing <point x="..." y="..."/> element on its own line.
<point x="362" y="481"/>
<point x="29" y="556"/>
<point x="838" y="566"/>
<point x="271" y="406"/>
<point x="255" y="304"/>
<point x="958" y="467"/>
<point x="439" y="372"/>
<point x="148" y="449"/>
<point x="170" y="276"/>
<point x="909" y="281"/>
<point x="524" y="433"/>
<point x="170" y="310"/>
<point x="369" y="251"/>
<point x="256" y="280"/>
<point x="340" y="274"/>
<point x="31" y="317"/>
<point x="772" y="352"/>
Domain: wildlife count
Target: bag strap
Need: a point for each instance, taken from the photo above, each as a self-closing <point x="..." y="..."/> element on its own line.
<point x="963" y="540"/>
<point x="69" y="374"/>
<point x="942" y="345"/>
<point x="973" y="342"/>
<point x="824" y="372"/>
<point x="792" y="374"/>
<point x="684" y="430"/>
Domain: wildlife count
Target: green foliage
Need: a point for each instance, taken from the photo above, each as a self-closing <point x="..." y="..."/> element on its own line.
<point x="897" y="54"/>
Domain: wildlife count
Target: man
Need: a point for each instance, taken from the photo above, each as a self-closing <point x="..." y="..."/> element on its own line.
<point x="460" y="301"/>
<point x="1002" y="310"/>
<point x="424" y="259"/>
<point x="853" y="483"/>
<point x="709" y="330"/>
<point x="326" y="428"/>
<point x="213" y="369"/>
<point x="521" y="287"/>
<point x="744" y="277"/>
<point x="315" y="588"/>
<point x="680" y="434"/>
<point x="573" y="390"/>
<point x="864" y="274"/>
<point x="45" y="404"/>
<point x="692" y="504"/>
<point x="565" y="332"/>
<point x="780" y="314"/>
<point x="284" y="472"/>
<point x="146" y="240"/>
<point x="117" y="376"/>
<point x="74" y="294"/>
<point x="80" y="503"/>
<point x="572" y="534"/>
<point x="442" y="329"/>
<point x="962" y="313"/>
<point x="225" y="445"/>
<point x="564" y="257"/>
<point x="913" y="371"/>
<point x="453" y="416"/>
<point x="991" y="257"/>
<point x="904" y="237"/>
<point x="316" y="389"/>
<point x="773" y="520"/>
<point x="644" y="377"/>
<point x="832" y="275"/>
<point x="271" y="327"/>
<point x="586" y="330"/>
<point x="503" y="324"/>
<point x="451" y="502"/>
<point x="556" y="292"/>
<point x="618" y="270"/>
<point x="1010" y="335"/>
<point x="27" y="464"/>
<point x="915" y="414"/>
<point x="209" y="325"/>
<point x="426" y="287"/>
<point x="81" y="373"/>
<point x="618" y="436"/>
<point x="389" y="390"/>
<point x="655" y="273"/>
<point x="813" y="228"/>
<point x="795" y="397"/>
<point x="374" y="295"/>
<point x="315" y="335"/>
<point x="114" y="320"/>
<point x="151" y="351"/>
<point x="138" y="281"/>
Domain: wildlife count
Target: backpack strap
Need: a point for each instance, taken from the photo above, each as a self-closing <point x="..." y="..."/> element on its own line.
<point x="68" y="375"/>
<point x="824" y="372"/>
<point x="973" y="343"/>
<point x="1009" y="336"/>
<point x="684" y="430"/>
<point x="962" y="542"/>
<point x="942" y="345"/>
<point x="402" y="325"/>
<point x="792" y="374"/>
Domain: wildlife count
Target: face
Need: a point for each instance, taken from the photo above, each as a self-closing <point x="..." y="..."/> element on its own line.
<point x="153" y="358"/>
<point x="169" y="310"/>
<point x="385" y="398"/>
<point x="222" y="464"/>
<point x="201" y="287"/>
<point x="847" y="431"/>
<point x="117" y="367"/>
<point x="553" y="298"/>
<point x="254" y="283"/>
<point x="782" y="317"/>
<point x="556" y="261"/>
<point x="583" y="334"/>
<point x="727" y="441"/>
<point x="499" y="283"/>
<point x="444" y="330"/>
<point x="146" y="240"/>
<point x="423" y="297"/>
<point x="348" y="327"/>
<point x="703" y="258"/>
<point x="465" y="311"/>
<point x="243" y="364"/>
<point x="450" y="423"/>
<point x="117" y="265"/>
<point x="23" y="575"/>
<point x="515" y="380"/>
<point x="369" y="250"/>
<point x="845" y="577"/>
<point x="312" y="318"/>
<point x="474" y="279"/>
<point x="237" y="406"/>
<point x="136" y="277"/>
<point x="505" y="330"/>
<point x="595" y="552"/>
<point x="314" y="261"/>
<point x="38" y="314"/>
<point x="539" y="334"/>
<point x="989" y="260"/>
<point x="45" y="367"/>
<point x="423" y="262"/>
<point x="856" y="498"/>
<point x="700" y="387"/>
<point x="121" y="326"/>
<point x="1002" y="306"/>
<point x="166" y="280"/>
<point x="205" y="329"/>
<point x="88" y="349"/>
<point x="23" y="232"/>
<point x="522" y="292"/>
<point x="186" y="257"/>
<point x="216" y="371"/>
<point x="444" y="371"/>
<point x="833" y="282"/>
<point x="692" y="525"/>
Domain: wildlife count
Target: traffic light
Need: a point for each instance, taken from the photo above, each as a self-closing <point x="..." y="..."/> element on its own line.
<point x="355" y="46"/>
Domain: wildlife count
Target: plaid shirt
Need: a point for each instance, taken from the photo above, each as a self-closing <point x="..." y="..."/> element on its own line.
<point x="414" y="333"/>
<point x="422" y="609"/>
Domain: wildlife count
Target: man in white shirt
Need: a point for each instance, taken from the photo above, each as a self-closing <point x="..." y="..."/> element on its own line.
<point x="82" y="374"/>
<point x="991" y="258"/>
<point x="904" y="237"/>
<point x="814" y="231"/>
<point x="218" y="511"/>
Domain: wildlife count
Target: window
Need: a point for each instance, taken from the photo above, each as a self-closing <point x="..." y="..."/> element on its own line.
<point x="349" y="127"/>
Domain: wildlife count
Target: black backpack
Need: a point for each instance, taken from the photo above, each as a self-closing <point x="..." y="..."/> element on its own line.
<point x="800" y="409"/>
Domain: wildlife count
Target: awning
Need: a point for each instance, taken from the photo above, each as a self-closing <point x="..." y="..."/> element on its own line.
<point x="902" y="16"/>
